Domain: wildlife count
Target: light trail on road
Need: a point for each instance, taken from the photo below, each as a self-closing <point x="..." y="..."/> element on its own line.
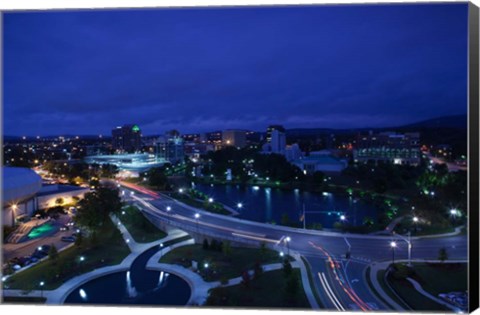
<point x="337" y="271"/>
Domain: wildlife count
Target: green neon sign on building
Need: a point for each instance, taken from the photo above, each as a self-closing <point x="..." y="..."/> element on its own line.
<point x="135" y="128"/>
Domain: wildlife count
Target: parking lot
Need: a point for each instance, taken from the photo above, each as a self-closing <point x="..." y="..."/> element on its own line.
<point x="26" y="249"/>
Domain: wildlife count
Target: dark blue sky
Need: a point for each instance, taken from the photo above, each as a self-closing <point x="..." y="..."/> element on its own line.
<point x="206" y="69"/>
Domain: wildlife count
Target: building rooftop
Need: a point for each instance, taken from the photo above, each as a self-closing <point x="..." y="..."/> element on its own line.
<point x="56" y="189"/>
<point x="18" y="183"/>
<point x="320" y="159"/>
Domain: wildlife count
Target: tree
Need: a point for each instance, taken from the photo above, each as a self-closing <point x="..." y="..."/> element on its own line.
<point x="96" y="207"/>
<point x="263" y="250"/>
<point x="246" y="279"/>
<point x="287" y="267"/>
<point x="257" y="270"/>
<point x="53" y="253"/>
<point x="205" y="244"/>
<point x="226" y="248"/>
<point x="442" y="254"/>
<point x="317" y="178"/>
<point x="79" y="240"/>
<point x="285" y="220"/>
<point x="157" y="178"/>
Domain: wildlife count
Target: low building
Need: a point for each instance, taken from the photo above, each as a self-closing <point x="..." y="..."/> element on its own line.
<point x="132" y="163"/>
<point x="321" y="163"/>
<point x="19" y="187"/>
<point x="23" y="194"/>
<point x="236" y="138"/>
<point x="388" y="147"/>
<point x="59" y="195"/>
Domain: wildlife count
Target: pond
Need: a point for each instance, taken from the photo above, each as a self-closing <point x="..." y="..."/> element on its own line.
<point x="136" y="286"/>
<point x="264" y="204"/>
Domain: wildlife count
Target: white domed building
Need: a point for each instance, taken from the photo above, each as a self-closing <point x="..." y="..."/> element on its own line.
<point x="19" y="188"/>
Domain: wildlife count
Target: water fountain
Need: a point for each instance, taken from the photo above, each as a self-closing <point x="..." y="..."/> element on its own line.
<point x="131" y="291"/>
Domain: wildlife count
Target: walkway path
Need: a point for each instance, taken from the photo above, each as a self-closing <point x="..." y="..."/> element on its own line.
<point x="58" y="295"/>
<point x="200" y="288"/>
<point x="419" y="288"/>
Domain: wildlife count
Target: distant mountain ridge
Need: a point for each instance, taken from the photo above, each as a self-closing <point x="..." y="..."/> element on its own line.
<point x="453" y="121"/>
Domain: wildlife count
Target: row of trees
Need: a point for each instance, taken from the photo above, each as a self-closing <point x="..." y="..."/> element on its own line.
<point x="95" y="208"/>
<point x="80" y="172"/>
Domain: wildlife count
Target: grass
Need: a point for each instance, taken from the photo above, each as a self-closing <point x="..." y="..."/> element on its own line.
<point x="413" y="298"/>
<point x="108" y="249"/>
<point x="141" y="229"/>
<point x="221" y="266"/>
<point x="442" y="278"/>
<point x="434" y="278"/>
<point x="268" y="291"/>
<point x="215" y="207"/>
<point x="24" y="300"/>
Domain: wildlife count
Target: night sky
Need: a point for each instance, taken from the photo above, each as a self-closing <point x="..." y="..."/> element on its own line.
<point x="85" y="72"/>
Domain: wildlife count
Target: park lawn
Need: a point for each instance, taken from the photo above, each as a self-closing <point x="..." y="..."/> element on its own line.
<point x="23" y="300"/>
<point x="434" y="278"/>
<point x="141" y="229"/>
<point x="442" y="278"/>
<point x="413" y="298"/>
<point x="109" y="249"/>
<point x="268" y="291"/>
<point x="220" y="266"/>
<point x="219" y="209"/>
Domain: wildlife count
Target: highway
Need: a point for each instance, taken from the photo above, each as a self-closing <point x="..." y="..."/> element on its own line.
<point x="340" y="282"/>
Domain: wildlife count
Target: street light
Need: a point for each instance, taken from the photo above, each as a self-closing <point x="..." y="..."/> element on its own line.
<point x="393" y="244"/>
<point x="210" y="200"/>
<point x="197" y="216"/>
<point x="343" y="218"/>
<point x="169" y="208"/>
<point x="180" y="190"/>
<point x="41" y="288"/>
<point x="82" y="258"/>
<point x="281" y="254"/>
<point x="239" y="205"/>
<point x="288" y="239"/>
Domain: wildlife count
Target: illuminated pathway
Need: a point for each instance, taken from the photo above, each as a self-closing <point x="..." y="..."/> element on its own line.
<point x="340" y="282"/>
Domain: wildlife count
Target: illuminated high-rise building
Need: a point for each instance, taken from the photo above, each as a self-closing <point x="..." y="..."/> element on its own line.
<point x="127" y="138"/>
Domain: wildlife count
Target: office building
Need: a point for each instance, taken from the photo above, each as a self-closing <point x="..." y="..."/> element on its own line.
<point x="271" y="129"/>
<point x="236" y="138"/>
<point x="127" y="139"/>
<point x="388" y="147"/>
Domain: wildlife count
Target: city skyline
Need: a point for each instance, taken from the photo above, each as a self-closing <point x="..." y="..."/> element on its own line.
<point x="305" y="67"/>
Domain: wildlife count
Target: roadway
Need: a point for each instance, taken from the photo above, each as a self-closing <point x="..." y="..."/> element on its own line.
<point x="339" y="281"/>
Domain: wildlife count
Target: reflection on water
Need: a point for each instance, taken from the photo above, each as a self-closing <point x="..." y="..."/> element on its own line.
<point x="264" y="204"/>
<point x="137" y="286"/>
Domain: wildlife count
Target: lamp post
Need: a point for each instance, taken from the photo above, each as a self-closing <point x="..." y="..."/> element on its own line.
<point x="41" y="288"/>
<point x="415" y="222"/>
<point x="197" y="216"/>
<point x="287" y="240"/>
<point x="393" y="244"/>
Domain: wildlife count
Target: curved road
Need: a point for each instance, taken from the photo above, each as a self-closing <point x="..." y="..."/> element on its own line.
<point x="340" y="282"/>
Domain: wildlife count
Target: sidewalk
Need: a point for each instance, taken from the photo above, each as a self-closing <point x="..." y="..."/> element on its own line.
<point x="200" y="288"/>
<point x="58" y="295"/>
